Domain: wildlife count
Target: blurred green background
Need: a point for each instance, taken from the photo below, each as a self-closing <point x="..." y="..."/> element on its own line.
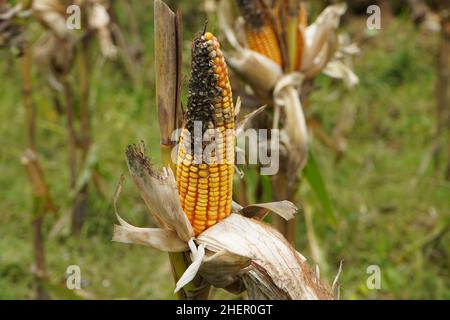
<point x="390" y="213"/>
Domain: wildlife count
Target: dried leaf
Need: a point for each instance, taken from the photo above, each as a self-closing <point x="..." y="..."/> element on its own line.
<point x="191" y="271"/>
<point x="338" y="70"/>
<point x="317" y="35"/>
<point x="160" y="239"/>
<point x="159" y="191"/>
<point x="284" y="209"/>
<point x="296" y="138"/>
<point x="240" y="127"/>
<point x="257" y="70"/>
<point x="223" y="268"/>
<point x="277" y="271"/>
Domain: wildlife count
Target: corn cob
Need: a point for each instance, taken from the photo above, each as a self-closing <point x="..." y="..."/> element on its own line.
<point x="205" y="181"/>
<point x="260" y="32"/>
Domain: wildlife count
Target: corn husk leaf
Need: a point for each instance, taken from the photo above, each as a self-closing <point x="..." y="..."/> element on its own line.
<point x="240" y="126"/>
<point x="229" y="266"/>
<point x="158" y="190"/>
<point x="340" y="67"/>
<point x="318" y="34"/>
<point x="276" y="270"/>
<point x="257" y="70"/>
<point x="99" y="20"/>
<point x="160" y="239"/>
<point x="284" y="209"/>
<point x="294" y="137"/>
<point x="338" y="70"/>
<point x="197" y="255"/>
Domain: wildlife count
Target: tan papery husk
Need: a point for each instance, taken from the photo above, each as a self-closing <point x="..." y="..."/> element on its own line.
<point x="276" y="270"/>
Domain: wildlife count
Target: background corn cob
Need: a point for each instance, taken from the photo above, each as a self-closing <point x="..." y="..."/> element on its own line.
<point x="259" y="29"/>
<point x="205" y="180"/>
<point x="303" y="23"/>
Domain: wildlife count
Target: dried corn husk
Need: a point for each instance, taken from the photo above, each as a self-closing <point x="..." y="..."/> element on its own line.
<point x="99" y="21"/>
<point x="319" y="35"/>
<point x="277" y="269"/>
<point x="341" y="66"/>
<point x="295" y="133"/>
<point x="159" y="191"/>
<point x="236" y="253"/>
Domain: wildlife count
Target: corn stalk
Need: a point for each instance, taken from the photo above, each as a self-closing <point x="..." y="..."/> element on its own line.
<point x="42" y="202"/>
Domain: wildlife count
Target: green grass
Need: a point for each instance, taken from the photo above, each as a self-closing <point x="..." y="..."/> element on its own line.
<point x="385" y="209"/>
<point x="385" y="213"/>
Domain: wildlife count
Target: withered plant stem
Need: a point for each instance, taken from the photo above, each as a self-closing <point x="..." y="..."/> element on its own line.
<point x="41" y="200"/>
<point x="80" y="207"/>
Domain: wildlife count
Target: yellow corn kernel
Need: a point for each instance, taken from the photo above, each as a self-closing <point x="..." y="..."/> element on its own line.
<point x="204" y="187"/>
